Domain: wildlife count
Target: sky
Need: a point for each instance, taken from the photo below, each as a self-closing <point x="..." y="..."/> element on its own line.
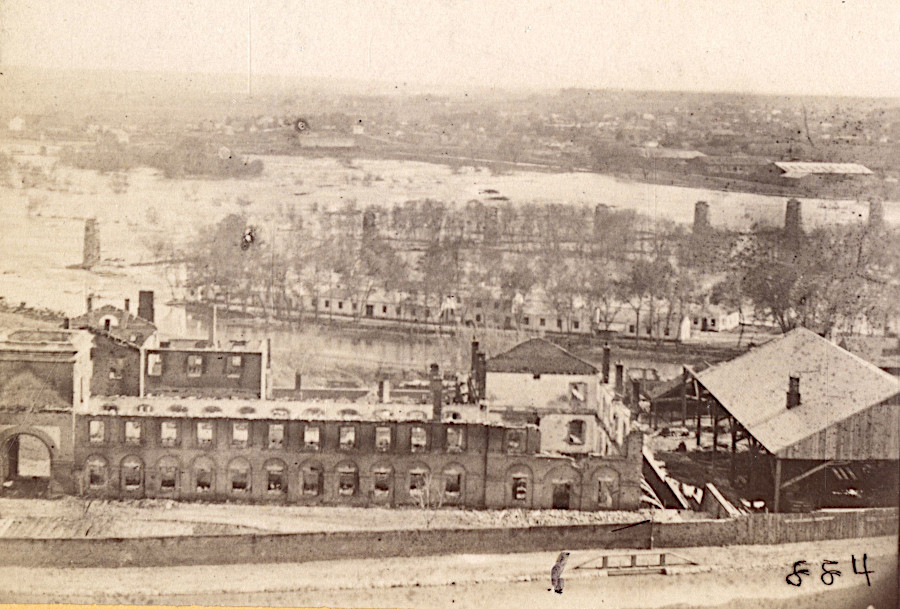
<point x="816" y="47"/>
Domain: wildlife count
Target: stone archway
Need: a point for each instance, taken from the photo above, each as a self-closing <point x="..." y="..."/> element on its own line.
<point x="26" y="462"/>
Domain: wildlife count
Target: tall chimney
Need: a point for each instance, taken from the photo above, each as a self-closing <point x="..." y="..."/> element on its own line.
<point x="701" y="217"/>
<point x="620" y="378"/>
<point x="91" y="253"/>
<point x="127" y="305"/>
<point x="145" y="305"/>
<point x="793" y="222"/>
<point x="212" y="327"/>
<point x="876" y="213"/>
<point x="298" y="380"/>
<point x="437" y="392"/>
<point x="606" y="354"/>
<point x="89" y="302"/>
<point x="793" y="394"/>
<point x="384" y="391"/>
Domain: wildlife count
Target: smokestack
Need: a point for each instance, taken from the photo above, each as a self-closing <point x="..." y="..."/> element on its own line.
<point x="793" y="222"/>
<point x="91" y="253"/>
<point x="298" y="381"/>
<point x="793" y="394"/>
<point x="145" y="305"/>
<point x="212" y="327"/>
<point x="606" y="354"/>
<point x="437" y="392"/>
<point x="384" y="391"/>
<point x="876" y="213"/>
<point x="701" y="217"/>
<point x="127" y="305"/>
<point x="620" y="378"/>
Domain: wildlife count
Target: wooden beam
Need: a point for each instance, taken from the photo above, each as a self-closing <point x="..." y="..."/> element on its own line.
<point x="808" y="473"/>
<point x="777" y="500"/>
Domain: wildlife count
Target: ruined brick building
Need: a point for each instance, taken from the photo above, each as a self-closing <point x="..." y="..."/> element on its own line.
<point x="121" y="413"/>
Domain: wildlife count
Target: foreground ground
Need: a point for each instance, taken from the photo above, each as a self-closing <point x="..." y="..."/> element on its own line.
<point x="75" y="517"/>
<point x="737" y="576"/>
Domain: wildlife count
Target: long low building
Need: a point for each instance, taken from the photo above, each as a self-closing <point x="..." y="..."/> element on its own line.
<point x="182" y="434"/>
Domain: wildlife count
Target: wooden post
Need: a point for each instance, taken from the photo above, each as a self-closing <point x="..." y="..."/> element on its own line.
<point x="714" y="412"/>
<point x="733" y="449"/>
<point x="684" y="382"/>
<point x="699" y="428"/>
<point x="777" y="501"/>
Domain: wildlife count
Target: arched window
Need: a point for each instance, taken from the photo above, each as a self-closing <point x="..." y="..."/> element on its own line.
<point x="348" y="479"/>
<point x="419" y="479"/>
<point x="416" y="415"/>
<point x="178" y="408"/>
<point x="382" y="479"/>
<point x="239" y="476"/>
<point x="276" y="482"/>
<point x="246" y="410"/>
<point x="211" y="409"/>
<point x="348" y="413"/>
<point x="280" y="413"/>
<point x="204" y="475"/>
<point x="97" y="471"/>
<point x="383" y="414"/>
<point x="168" y="474"/>
<point x="520" y="481"/>
<point x="454" y="481"/>
<point x="132" y="473"/>
<point x="312" y="477"/>
<point x="311" y="413"/>
<point x="607" y="489"/>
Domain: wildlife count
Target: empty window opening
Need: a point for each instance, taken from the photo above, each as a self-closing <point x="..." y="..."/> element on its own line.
<point x="312" y="480"/>
<point x="348" y="437"/>
<point x="417" y="482"/>
<point x="515" y="441"/>
<point x="97" y="432"/>
<point x="576" y="432"/>
<point x="240" y="434"/>
<point x="607" y="489"/>
<point x="235" y="365"/>
<point x="168" y="474"/>
<point x="96" y="467"/>
<point x="239" y="473"/>
<point x="452" y="484"/>
<point x="195" y="365"/>
<point x="132" y="473"/>
<point x="204" y="479"/>
<point x="154" y="364"/>
<point x="418" y="439"/>
<point x="168" y="433"/>
<point x="311" y="437"/>
<point x="348" y="481"/>
<point x="381" y="485"/>
<point x="578" y="391"/>
<point x="205" y="433"/>
<point x="456" y="439"/>
<point x="520" y="488"/>
<point x="132" y="432"/>
<point x="382" y="439"/>
<point x="276" y="435"/>
<point x="275" y="478"/>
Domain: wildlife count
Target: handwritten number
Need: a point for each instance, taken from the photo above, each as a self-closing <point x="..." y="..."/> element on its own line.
<point x="865" y="570"/>
<point x="829" y="572"/>
<point x="797" y="574"/>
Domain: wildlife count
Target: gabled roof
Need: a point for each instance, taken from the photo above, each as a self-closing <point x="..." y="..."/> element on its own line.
<point x="834" y="385"/>
<point x="539" y="356"/>
<point x="797" y="169"/>
<point x="128" y="328"/>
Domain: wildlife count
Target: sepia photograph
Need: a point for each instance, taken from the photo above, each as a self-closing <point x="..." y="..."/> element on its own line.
<point x="450" y="303"/>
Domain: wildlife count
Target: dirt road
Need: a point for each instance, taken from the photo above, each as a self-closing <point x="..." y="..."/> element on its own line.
<point x="739" y="576"/>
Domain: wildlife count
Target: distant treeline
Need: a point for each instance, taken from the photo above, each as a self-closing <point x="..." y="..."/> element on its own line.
<point x="188" y="157"/>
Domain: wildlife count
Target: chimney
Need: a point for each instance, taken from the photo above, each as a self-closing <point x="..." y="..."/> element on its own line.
<point x="793" y="222"/>
<point x="384" y="391"/>
<point x="212" y="327"/>
<point x="793" y="394"/>
<point x="66" y="324"/>
<point x="437" y="392"/>
<point x="89" y="302"/>
<point x="606" y="354"/>
<point x="298" y="381"/>
<point x="91" y="252"/>
<point x="481" y="378"/>
<point x="620" y="378"/>
<point x="701" y="217"/>
<point x="876" y="213"/>
<point x="128" y="305"/>
<point x="635" y="392"/>
<point x="145" y="305"/>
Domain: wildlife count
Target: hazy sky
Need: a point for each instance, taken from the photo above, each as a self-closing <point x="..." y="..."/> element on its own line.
<point x="772" y="46"/>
